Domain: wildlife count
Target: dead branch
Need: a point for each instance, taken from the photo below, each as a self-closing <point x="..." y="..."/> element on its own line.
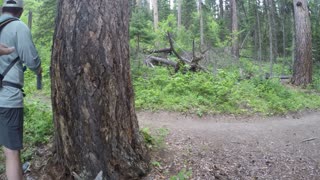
<point x="157" y="60"/>
<point x="165" y="50"/>
<point x="307" y="140"/>
<point x="192" y="61"/>
<point x="183" y="60"/>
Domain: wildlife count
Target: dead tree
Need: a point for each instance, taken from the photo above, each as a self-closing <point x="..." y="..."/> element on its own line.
<point x="193" y="61"/>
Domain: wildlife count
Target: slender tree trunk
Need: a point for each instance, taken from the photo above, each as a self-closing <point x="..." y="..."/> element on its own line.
<point x="221" y="9"/>
<point x="234" y="29"/>
<point x="274" y="28"/>
<point x="155" y="14"/>
<point x="179" y="13"/>
<point x="259" y="36"/>
<point x="302" y="70"/>
<point x="293" y="40"/>
<point x="201" y="24"/>
<point x="284" y="39"/>
<point x="138" y="2"/>
<point x="96" y="127"/>
<point x="270" y="36"/>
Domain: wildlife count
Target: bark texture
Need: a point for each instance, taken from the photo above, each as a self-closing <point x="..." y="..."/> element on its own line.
<point x="302" y="70"/>
<point x="93" y="102"/>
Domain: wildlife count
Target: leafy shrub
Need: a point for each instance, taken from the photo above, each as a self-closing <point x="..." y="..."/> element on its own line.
<point x="225" y="93"/>
<point x="154" y="138"/>
<point x="182" y="175"/>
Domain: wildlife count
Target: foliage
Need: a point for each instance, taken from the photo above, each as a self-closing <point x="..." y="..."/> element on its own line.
<point x="37" y="122"/>
<point x="188" y="7"/>
<point x="154" y="138"/>
<point x="182" y="175"/>
<point x="164" y="9"/>
<point x="225" y="93"/>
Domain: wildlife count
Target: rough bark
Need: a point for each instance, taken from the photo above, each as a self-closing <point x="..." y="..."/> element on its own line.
<point x="92" y="96"/>
<point x="234" y="29"/>
<point x="302" y="70"/>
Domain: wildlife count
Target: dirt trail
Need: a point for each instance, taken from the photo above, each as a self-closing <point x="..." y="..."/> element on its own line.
<point x="226" y="147"/>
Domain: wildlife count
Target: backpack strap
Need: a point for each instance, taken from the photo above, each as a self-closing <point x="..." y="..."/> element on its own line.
<point x="6" y="22"/>
<point x="10" y="66"/>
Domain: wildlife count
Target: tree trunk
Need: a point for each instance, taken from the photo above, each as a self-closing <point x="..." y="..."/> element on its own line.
<point x="155" y="14"/>
<point x="234" y="29"/>
<point x="302" y="70"/>
<point x="268" y="7"/>
<point x="201" y="24"/>
<point x="258" y="30"/>
<point x="274" y="28"/>
<point x="179" y="13"/>
<point x="221" y="11"/>
<point x="96" y="128"/>
<point x="138" y="2"/>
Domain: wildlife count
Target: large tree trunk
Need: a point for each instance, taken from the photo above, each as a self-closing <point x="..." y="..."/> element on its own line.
<point x="93" y="103"/>
<point x="234" y="28"/>
<point x="302" y="70"/>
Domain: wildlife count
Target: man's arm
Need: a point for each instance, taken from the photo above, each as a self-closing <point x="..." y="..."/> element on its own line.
<point x="5" y="50"/>
<point x="26" y="49"/>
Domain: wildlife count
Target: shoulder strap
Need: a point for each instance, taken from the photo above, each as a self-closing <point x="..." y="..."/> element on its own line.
<point x="6" y="22"/>
<point x="10" y="66"/>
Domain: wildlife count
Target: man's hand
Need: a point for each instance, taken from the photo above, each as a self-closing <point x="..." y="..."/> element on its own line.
<point x="5" y="50"/>
<point x="39" y="71"/>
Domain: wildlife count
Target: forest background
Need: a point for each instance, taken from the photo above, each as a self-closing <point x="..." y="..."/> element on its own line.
<point x="230" y="84"/>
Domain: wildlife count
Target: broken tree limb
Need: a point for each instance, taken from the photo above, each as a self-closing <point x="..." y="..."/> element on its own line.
<point x="165" y="50"/>
<point x="193" y="61"/>
<point x="183" y="60"/>
<point x="154" y="60"/>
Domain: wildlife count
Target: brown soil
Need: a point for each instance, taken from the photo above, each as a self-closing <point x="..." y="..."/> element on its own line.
<point x="229" y="147"/>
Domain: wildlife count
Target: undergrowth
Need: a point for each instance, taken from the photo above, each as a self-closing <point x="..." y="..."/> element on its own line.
<point x="227" y="92"/>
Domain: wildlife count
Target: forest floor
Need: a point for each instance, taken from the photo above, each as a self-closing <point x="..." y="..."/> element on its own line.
<point x="228" y="147"/>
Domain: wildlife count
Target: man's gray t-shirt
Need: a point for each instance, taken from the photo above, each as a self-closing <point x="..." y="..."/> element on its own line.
<point x="16" y="34"/>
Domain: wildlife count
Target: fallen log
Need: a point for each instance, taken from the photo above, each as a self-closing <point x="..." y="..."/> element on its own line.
<point x="157" y="60"/>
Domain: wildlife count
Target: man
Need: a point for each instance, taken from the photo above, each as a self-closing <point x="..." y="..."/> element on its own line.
<point x="15" y="34"/>
<point x="5" y="50"/>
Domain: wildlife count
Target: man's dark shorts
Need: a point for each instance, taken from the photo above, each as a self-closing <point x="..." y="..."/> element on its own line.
<point x="11" y="128"/>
